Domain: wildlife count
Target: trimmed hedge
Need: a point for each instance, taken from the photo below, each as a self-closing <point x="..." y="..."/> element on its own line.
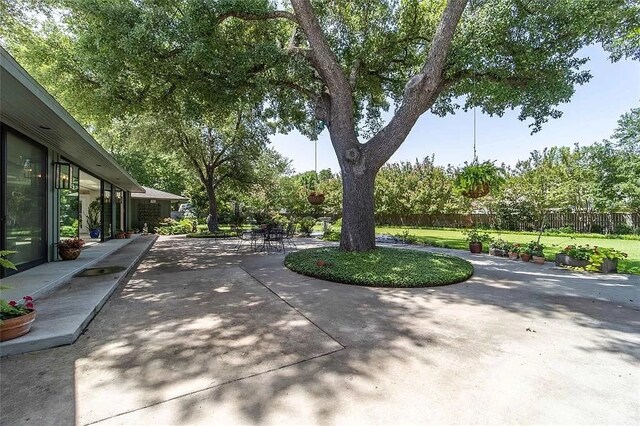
<point x="382" y="267"/>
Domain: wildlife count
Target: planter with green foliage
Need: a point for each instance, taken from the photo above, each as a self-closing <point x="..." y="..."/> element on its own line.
<point x="499" y="247"/>
<point x="15" y="317"/>
<point x="475" y="239"/>
<point x="590" y="258"/>
<point x="475" y="180"/>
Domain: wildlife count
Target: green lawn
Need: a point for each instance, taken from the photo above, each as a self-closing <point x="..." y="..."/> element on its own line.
<point x="450" y="238"/>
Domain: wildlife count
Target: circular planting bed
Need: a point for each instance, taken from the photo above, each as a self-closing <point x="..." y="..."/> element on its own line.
<point x="382" y="267"/>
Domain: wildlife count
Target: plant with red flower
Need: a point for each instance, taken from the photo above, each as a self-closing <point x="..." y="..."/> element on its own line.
<point x="13" y="309"/>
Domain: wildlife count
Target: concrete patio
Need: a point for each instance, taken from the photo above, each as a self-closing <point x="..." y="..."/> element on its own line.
<point x="201" y="334"/>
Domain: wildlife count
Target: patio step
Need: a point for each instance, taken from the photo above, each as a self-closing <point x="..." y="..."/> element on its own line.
<point x="44" y="279"/>
<point x="64" y="314"/>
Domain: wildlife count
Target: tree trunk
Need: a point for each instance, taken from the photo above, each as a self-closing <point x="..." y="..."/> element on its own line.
<point x="212" y="220"/>
<point x="358" y="220"/>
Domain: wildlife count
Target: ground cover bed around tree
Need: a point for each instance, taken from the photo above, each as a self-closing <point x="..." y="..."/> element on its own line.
<point x="455" y="239"/>
<point x="381" y="267"/>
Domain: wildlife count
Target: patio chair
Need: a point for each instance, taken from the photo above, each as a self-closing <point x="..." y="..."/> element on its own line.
<point x="288" y="236"/>
<point x="274" y="239"/>
<point x="246" y="237"/>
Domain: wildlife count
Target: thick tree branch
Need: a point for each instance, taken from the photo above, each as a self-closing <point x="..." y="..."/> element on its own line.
<point x="326" y="63"/>
<point x="183" y="141"/>
<point x="422" y="90"/>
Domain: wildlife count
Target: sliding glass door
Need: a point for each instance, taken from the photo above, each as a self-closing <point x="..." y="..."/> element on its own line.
<point x="24" y="228"/>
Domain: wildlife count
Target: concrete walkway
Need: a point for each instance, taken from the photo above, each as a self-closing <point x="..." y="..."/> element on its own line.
<point x="64" y="314"/>
<point x="203" y="335"/>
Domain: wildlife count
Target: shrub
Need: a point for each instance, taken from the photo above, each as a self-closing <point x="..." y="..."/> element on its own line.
<point x="331" y="235"/>
<point x="170" y="226"/>
<point x="306" y="225"/>
<point x="623" y="229"/>
<point x="407" y="238"/>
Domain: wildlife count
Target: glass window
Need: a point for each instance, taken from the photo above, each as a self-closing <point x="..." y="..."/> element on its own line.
<point x="107" y="211"/>
<point x="119" y="209"/>
<point x="90" y="207"/>
<point x="68" y="206"/>
<point x="26" y="200"/>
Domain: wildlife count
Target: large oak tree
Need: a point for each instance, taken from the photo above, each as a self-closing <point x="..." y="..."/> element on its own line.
<point x="342" y="62"/>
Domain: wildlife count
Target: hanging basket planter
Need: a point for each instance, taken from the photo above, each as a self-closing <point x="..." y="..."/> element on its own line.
<point x="477" y="191"/>
<point x="475" y="180"/>
<point x="316" y="198"/>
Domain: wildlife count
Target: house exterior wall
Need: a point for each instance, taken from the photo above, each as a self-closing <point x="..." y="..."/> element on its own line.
<point x="43" y="210"/>
<point x="149" y="211"/>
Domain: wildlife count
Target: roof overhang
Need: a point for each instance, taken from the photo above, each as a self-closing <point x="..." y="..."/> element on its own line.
<point x="27" y="107"/>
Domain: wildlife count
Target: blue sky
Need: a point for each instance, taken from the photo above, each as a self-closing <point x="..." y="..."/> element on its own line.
<point x="591" y="116"/>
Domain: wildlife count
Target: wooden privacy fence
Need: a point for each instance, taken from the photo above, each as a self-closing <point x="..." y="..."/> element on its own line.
<point x="606" y="223"/>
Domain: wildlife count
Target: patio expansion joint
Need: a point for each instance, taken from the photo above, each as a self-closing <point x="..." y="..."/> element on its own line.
<point x="293" y="307"/>
<point x="250" y="376"/>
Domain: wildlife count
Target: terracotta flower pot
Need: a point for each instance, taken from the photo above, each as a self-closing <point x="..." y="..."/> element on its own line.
<point x="539" y="260"/>
<point x="475" y="248"/>
<point x="128" y="234"/>
<point x="525" y="257"/>
<point x="513" y="255"/>
<point x="16" y="327"/>
<point x="69" y="253"/>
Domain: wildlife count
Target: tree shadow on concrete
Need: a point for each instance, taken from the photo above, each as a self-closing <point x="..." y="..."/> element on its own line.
<point x="191" y="320"/>
<point x="202" y="333"/>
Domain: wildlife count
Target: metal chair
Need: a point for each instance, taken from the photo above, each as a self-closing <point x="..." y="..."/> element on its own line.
<point x="274" y="238"/>
<point x="288" y="236"/>
<point x="246" y="237"/>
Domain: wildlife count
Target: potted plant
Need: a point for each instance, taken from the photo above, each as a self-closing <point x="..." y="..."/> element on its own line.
<point x="93" y="219"/>
<point x="537" y="252"/>
<point x="129" y="233"/>
<point x="120" y="235"/>
<point x="15" y="317"/>
<point x="69" y="249"/>
<point x="475" y="239"/>
<point x="595" y="259"/>
<point x="476" y="179"/>
<point x="513" y="251"/>
<point x="525" y="253"/>
<point x="315" y="198"/>
<point x="499" y="248"/>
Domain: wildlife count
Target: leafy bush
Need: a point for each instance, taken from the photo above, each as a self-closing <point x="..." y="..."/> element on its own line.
<point x="407" y="238"/>
<point x="170" y="226"/>
<point x="306" y="225"/>
<point x="623" y="229"/>
<point x="561" y="230"/>
<point x="381" y="267"/>
<point x="331" y="235"/>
